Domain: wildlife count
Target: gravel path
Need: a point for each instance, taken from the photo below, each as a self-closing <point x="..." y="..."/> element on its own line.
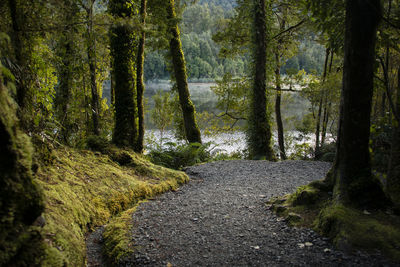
<point x="220" y="219"/>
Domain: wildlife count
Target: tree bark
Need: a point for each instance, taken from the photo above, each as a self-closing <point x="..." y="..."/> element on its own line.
<point x="139" y="79"/>
<point x="278" y="114"/>
<point x="123" y="50"/>
<point x="259" y="132"/>
<point x="327" y="106"/>
<point x="354" y="183"/>
<point x="16" y="39"/>
<point x="95" y="109"/>
<point x="393" y="178"/>
<point x="179" y="65"/>
<point x="64" y="89"/>
<point x="321" y="101"/>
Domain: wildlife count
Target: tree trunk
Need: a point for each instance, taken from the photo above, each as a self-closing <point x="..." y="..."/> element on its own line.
<point x="321" y="101"/>
<point x="16" y="39"/>
<point x="259" y="132"/>
<point x="393" y="178"/>
<point x="178" y="61"/>
<point x="139" y="79"/>
<point x="64" y="89"/>
<point x="278" y="114"/>
<point x="123" y="51"/>
<point x="21" y="201"/>
<point x="354" y="183"/>
<point x="95" y="110"/>
<point x="327" y="107"/>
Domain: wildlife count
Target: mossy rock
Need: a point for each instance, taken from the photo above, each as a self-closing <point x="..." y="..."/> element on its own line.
<point x="293" y="218"/>
<point x="305" y="195"/>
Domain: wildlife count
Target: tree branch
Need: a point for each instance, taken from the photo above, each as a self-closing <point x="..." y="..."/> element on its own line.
<point x="289" y="29"/>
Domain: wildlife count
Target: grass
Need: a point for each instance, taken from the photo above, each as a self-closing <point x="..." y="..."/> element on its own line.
<point x="84" y="189"/>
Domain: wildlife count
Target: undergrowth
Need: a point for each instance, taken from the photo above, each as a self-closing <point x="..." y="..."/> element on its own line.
<point x="176" y="156"/>
<point x="83" y="189"/>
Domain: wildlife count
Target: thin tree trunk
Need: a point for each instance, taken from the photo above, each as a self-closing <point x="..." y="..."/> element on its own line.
<point x="354" y="183"/>
<point x="179" y="65"/>
<point x="95" y="110"/>
<point x="321" y="101"/>
<point x="139" y="79"/>
<point x="327" y="107"/>
<point x="278" y="114"/>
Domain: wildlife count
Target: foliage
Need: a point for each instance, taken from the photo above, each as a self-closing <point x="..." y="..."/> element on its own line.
<point x="380" y="144"/>
<point x="161" y="114"/>
<point x="177" y="156"/>
<point x="233" y="102"/>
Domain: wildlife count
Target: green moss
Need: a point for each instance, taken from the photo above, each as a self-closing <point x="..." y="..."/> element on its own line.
<point x="84" y="189"/>
<point x="21" y="200"/>
<point x="351" y="228"/>
<point x="304" y="195"/>
<point x="117" y="240"/>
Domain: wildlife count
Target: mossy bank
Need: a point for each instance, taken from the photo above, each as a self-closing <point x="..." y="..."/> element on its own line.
<point x="84" y="189"/>
<point x="349" y="229"/>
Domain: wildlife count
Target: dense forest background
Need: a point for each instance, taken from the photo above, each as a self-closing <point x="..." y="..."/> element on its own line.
<point x="200" y="22"/>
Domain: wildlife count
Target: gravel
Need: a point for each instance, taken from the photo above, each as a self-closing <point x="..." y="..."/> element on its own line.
<point x="220" y="219"/>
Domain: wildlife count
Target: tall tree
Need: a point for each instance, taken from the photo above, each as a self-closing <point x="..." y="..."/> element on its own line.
<point x="139" y="78"/>
<point x="67" y="51"/>
<point x="178" y="62"/>
<point x="91" y="53"/>
<point x="393" y="179"/>
<point x="351" y="175"/>
<point x="123" y="50"/>
<point x="259" y="133"/>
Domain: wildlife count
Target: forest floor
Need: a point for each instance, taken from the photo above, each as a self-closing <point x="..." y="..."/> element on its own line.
<point x="220" y="219"/>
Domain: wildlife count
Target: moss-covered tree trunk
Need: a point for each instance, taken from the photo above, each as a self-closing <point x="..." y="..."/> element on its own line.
<point x="67" y="51"/>
<point x="17" y="44"/>
<point x="178" y="61"/>
<point x="139" y="79"/>
<point x="123" y="50"/>
<point x="91" y="43"/>
<point x="21" y="57"/>
<point x="20" y="198"/>
<point x="64" y="89"/>
<point x="393" y="179"/>
<point x="354" y="183"/>
<point x="259" y="132"/>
